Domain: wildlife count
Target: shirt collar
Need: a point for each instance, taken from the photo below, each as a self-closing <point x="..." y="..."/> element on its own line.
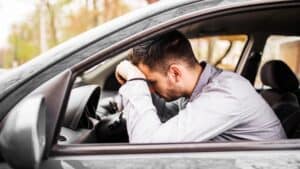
<point x="203" y="80"/>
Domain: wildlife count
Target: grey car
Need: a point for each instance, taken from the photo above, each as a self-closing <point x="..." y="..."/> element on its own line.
<point x="55" y="111"/>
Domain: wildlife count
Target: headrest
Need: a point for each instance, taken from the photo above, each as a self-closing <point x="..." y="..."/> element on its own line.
<point x="278" y="75"/>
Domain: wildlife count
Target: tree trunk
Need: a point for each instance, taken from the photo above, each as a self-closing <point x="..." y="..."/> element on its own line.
<point x="52" y="24"/>
<point x="95" y="13"/>
<point x="107" y="10"/>
<point x="43" y="28"/>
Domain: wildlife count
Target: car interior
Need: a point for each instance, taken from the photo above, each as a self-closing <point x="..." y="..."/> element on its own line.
<point x="95" y="120"/>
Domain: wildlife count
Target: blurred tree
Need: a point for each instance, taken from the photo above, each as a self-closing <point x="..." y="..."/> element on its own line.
<point x="53" y="19"/>
<point x="55" y="25"/>
<point x="24" y="42"/>
<point x="6" y="57"/>
<point x="43" y="25"/>
<point x="52" y="27"/>
<point x="152" y="1"/>
<point x="93" y="15"/>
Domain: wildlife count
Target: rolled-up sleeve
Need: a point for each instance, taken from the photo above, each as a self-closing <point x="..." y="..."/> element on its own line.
<point x="201" y="120"/>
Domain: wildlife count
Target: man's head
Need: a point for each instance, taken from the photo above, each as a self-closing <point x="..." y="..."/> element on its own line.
<point x="168" y="63"/>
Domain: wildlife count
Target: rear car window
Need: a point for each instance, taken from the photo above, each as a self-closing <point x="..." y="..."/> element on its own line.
<point x="284" y="48"/>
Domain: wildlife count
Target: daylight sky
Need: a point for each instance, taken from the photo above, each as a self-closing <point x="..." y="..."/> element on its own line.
<point x="12" y="11"/>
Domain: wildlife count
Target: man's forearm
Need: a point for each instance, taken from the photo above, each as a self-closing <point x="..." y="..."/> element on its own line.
<point x="139" y="111"/>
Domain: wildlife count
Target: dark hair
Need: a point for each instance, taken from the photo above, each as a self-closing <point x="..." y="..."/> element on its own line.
<point x="157" y="52"/>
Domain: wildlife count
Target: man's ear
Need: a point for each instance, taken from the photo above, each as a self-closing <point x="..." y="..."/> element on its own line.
<point x="174" y="72"/>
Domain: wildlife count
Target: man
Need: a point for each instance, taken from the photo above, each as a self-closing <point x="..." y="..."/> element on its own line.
<point x="218" y="105"/>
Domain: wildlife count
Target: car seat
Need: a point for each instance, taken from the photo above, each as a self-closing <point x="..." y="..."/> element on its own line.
<point x="277" y="75"/>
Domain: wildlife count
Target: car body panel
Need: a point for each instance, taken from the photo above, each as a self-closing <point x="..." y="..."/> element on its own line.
<point x="212" y="160"/>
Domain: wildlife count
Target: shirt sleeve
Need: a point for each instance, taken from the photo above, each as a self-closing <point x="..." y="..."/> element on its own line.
<point x="214" y="112"/>
<point x="165" y="110"/>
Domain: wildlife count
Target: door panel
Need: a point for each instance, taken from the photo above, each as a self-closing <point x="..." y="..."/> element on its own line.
<point x="212" y="160"/>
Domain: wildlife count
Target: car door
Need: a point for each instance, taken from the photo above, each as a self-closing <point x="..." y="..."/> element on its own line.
<point x="266" y="154"/>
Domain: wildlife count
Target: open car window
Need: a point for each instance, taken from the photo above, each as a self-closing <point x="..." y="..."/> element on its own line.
<point x="89" y="117"/>
<point x="277" y="80"/>
<point x="223" y="51"/>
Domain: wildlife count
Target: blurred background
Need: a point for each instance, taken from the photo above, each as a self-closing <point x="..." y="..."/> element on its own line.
<point x="30" y="27"/>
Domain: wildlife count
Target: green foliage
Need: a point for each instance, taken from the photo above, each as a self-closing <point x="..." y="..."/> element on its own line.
<point x="24" y="40"/>
<point x="23" y="50"/>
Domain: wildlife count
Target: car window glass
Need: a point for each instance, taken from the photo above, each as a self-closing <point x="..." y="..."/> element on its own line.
<point x="284" y="48"/>
<point x="221" y="51"/>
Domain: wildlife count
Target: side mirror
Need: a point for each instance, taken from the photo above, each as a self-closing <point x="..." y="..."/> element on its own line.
<point x="22" y="139"/>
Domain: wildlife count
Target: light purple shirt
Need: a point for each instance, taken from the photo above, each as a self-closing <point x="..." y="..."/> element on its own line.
<point x="223" y="107"/>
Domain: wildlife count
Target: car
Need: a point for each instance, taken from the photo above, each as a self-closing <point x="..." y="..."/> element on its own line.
<point x="56" y="110"/>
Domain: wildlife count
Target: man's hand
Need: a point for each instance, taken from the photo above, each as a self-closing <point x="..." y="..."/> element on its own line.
<point x="126" y="71"/>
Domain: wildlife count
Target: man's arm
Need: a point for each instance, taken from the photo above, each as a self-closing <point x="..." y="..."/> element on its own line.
<point x="201" y="120"/>
<point x="139" y="111"/>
